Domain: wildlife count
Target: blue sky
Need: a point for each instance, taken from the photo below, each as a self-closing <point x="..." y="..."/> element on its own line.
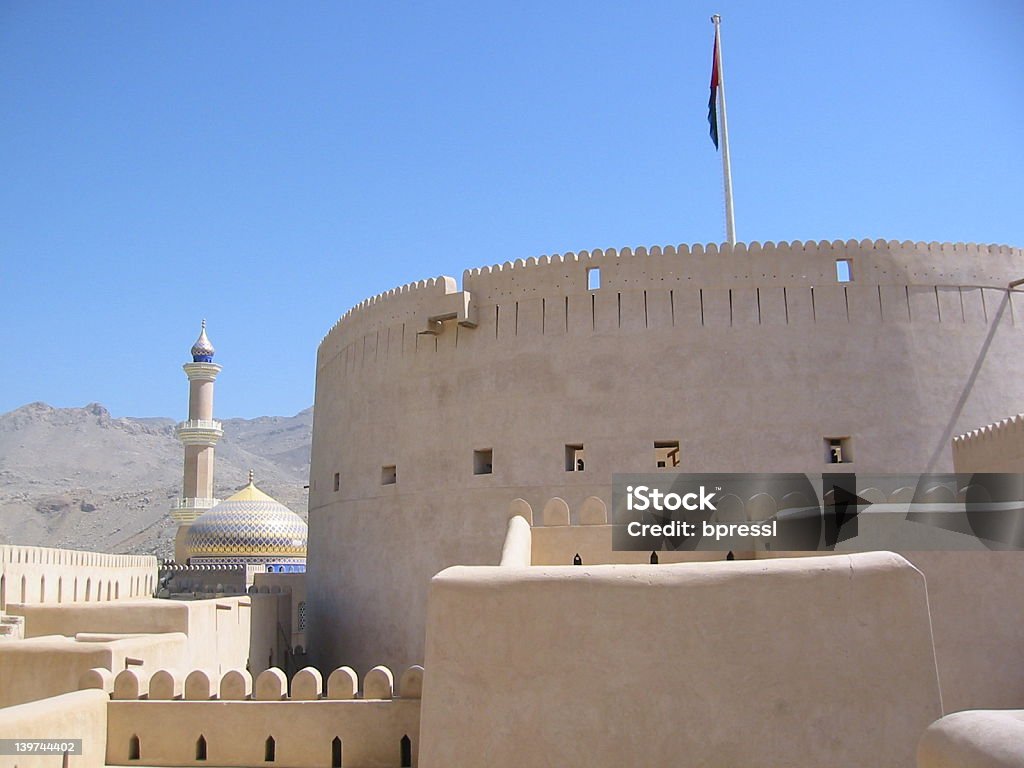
<point x="268" y="165"/>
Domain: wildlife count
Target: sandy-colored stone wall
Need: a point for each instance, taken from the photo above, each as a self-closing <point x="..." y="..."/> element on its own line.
<point x="749" y="357"/>
<point x="996" y="447"/>
<point x="269" y="639"/>
<point x="236" y="732"/>
<point x="975" y="609"/>
<point x="798" y="662"/>
<point x="41" y="667"/>
<point x="59" y="576"/>
<point x="218" y="630"/>
<point x="252" y="716"/>
<point x="79" y="715"/>
<point x="295" y="585"/>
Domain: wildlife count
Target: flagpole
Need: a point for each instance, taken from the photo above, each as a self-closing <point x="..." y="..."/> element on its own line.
<point x="730" y="219"/>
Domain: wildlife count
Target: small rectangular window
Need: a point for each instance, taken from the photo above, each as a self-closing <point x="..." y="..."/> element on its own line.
<point x="843" y="272"/>
<point x="575" y="460"/>
<point x="483" y="461"/>
<point x="337" y="481"/>
<point x="838" y="450"/>
<point x="593" y="278"/>
<point x="666" y="453"/>
<point x="388" y="475"/>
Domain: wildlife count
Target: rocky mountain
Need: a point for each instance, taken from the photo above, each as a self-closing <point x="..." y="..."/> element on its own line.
<point x="78" y="478"/>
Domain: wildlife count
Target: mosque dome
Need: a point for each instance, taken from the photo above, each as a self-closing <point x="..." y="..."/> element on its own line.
<point x="249" y="527"/>
<point x="202" y="350"/>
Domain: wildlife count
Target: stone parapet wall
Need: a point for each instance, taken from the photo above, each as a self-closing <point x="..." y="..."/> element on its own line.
<point x="996" y="447"/>
<point x="802" y="662"/>
<point x="34" y="575"/>
<point x="235" y="720"/>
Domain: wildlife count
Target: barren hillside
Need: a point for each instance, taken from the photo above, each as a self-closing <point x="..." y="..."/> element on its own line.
<point x="75" y="477"/>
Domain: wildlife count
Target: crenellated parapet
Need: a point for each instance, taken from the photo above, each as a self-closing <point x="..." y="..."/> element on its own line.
<point x="234" y="719"/>
<point x="713" y="263"/>
<point x="785" y="283"/>
<point x="204" y="581"/>
<point x="996" y="447"/>
<point x="308" y="684"/>
<point x="416" y="307"/>
<point x="15" y="554"/>
<point x="31" y="575"/>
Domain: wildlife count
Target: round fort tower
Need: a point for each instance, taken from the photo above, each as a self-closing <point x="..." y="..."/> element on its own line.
<point x="437" y="405"/>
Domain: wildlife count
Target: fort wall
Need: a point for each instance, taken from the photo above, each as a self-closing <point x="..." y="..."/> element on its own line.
<point x="41" y="667"/>
<point x="437" y="403"/>
<point x="979" y="642"/>
<point x="240" y="720"/>
<point x="997" y="447"/>
<point x="78" y="715"/>
<point x="44" y="575"/>
<point x="801" y="662"/>
<point x="218" y="631"/>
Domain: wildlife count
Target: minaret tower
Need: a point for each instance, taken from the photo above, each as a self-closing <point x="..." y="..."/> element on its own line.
<point x="199" y="435"/>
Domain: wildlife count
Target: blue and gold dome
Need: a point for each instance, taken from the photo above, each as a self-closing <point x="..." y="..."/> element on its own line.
<point x="249" y="527"/>
<point x="202" y="350"/>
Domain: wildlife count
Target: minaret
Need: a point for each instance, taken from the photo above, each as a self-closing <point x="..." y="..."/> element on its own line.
<point x="199" y="435"/>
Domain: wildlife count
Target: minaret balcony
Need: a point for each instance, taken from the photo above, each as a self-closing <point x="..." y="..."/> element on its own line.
<point x="186" y="511"/>
<point x="199" y="432"/>
<point x="201" y="371"/>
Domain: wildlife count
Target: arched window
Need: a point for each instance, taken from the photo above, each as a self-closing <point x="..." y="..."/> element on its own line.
<point x="24" y="589"/>
<point x="60" y="589"/>
<point x="117" y="590"/>
<point x="201" y="748"/>
<point x="406" y="752"/>
<point x="269" y="750"/>
<point x="88" y="589"/>
<point x="336" y="752"/>
<point x="3" y="591"/>
<point x="99" y="590"/>
<point x="108" y="591"/>
<point x="42" y="589"/>
<point x="133" y="748"/>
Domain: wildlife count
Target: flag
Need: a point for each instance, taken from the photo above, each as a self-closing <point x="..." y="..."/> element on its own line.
<point x="713" y="101"/>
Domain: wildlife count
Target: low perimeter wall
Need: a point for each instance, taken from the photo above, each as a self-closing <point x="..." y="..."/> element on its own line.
<point x="200" y="719"/>
<point x="803" y="662"/>
<point x="79" y="715"/>
<point x="46" y="575"/>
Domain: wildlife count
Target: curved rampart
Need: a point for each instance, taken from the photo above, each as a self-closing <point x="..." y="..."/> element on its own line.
<point x="437" y="404"/>
<point x="997" y="447"/>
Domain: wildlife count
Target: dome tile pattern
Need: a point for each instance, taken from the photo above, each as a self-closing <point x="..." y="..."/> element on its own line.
<point x="248" y="527"/>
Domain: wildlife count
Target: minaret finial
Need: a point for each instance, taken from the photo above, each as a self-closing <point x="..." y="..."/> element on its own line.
<point x="251" y="474"/>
